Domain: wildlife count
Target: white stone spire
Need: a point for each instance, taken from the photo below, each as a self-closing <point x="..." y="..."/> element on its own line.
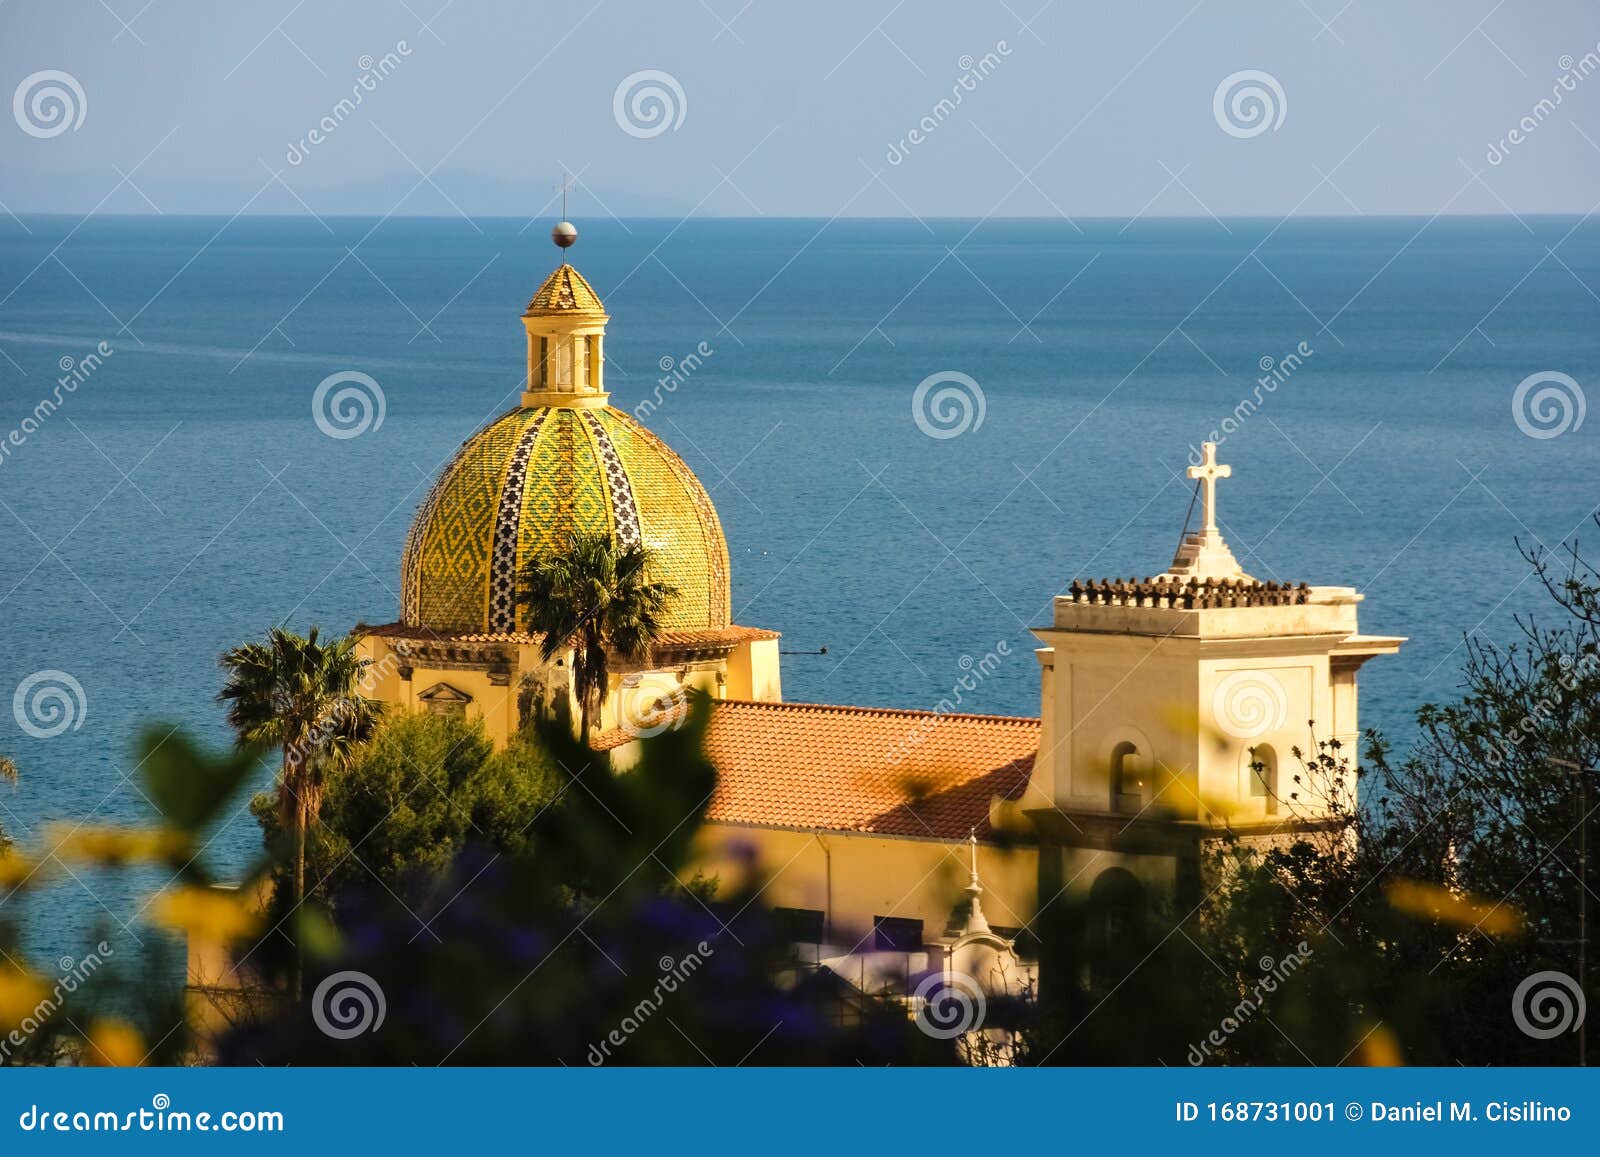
<point x="976" y="923"/>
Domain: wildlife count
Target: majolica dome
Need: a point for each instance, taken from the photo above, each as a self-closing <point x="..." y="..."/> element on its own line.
<point x="562" y="461"/>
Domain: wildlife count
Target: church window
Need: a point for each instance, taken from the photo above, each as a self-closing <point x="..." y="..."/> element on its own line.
<point x="1127" y="779"/>
<point x="1264" y="776"/>
<point x="799" y="925"/>
<point x="896" y="934"/>
<point x="1116" y="925"/>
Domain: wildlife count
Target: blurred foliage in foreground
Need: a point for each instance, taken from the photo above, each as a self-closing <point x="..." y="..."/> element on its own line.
<point x="572" y="934"/>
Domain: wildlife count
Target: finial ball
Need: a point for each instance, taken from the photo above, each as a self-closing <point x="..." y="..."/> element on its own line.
<point x="565" y="234"/>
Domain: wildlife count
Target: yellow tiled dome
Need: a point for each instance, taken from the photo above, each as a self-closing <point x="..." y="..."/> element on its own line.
<point x="527" y="480"/>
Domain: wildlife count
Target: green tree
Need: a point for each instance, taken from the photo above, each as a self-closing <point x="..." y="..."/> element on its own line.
<point x="424" y="788"/>
<point x="303" y="696"/>
<point x="597" y="597"/>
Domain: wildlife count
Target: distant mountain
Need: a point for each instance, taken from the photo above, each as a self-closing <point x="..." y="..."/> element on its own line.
<point x="406" y="194"/>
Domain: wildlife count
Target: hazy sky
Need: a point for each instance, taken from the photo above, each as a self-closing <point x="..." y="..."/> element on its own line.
<point x="796" y="109"/>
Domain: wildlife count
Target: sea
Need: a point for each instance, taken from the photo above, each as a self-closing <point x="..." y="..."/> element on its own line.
<point x="915" y="432"/>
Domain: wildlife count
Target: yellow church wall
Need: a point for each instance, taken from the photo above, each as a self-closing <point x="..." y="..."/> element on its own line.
<point x="635" y="698"/>
<point x="1105" y="690"/>
<point x="493" y="698"/>
<point x="1344" y="727"/>
<point x="1192" y="720"/>
<point x="1254" y="706"/>
<point x="495" y="705"/>
<point x="631" y="702"/>
<point x="753" y="672"/>
<point x="852" y="877"/>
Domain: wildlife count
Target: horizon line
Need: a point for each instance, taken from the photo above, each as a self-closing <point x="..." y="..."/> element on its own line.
<point x="344" y="215"/>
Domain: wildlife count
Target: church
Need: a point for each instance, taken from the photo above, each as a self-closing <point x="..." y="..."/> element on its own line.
<point x="1169" y="707"/>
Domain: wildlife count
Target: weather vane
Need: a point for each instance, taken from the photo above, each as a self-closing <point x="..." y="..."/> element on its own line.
<point x="565" y="234"/>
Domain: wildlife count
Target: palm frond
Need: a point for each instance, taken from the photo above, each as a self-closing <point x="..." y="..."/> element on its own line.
<point x="302" y="695"/>
<point x="597" y="597"/>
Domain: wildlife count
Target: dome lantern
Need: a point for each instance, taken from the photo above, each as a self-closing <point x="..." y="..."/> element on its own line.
<point x="566" y="326"/>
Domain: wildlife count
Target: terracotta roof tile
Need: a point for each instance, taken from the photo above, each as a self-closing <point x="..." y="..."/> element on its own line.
<point x="714" y="636"/>
<point x="864" y="769"/>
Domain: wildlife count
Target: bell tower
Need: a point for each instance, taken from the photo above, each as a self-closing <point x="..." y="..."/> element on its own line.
<point x="1178" y="697"/>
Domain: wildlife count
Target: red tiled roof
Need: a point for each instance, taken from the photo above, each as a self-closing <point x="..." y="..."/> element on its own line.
<point x="715" y="636"/>
<point x="706" y="637"/>
<point x="865" y="769"/>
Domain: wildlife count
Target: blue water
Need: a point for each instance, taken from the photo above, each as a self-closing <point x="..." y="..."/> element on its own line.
<point x="183" y="499"/>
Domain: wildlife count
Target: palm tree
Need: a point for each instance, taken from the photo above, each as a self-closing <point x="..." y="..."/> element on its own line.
<point x="303" y="696"/>
<point x="598" y="598"/>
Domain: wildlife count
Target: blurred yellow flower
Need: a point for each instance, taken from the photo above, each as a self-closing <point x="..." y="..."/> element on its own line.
<point x="20" y="994"/>
<point x="1431" y="902"/>
<point x="208" y="912"/>
<point x="1380" y="1049"/>
<point x="113" y="845"/>
<point x="113" y="1043"/>
<point x="15" y="870"/>
<point x="1185" y="719"/>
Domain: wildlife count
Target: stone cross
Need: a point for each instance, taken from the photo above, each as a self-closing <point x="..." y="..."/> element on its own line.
<point x="1208" y="472"/>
